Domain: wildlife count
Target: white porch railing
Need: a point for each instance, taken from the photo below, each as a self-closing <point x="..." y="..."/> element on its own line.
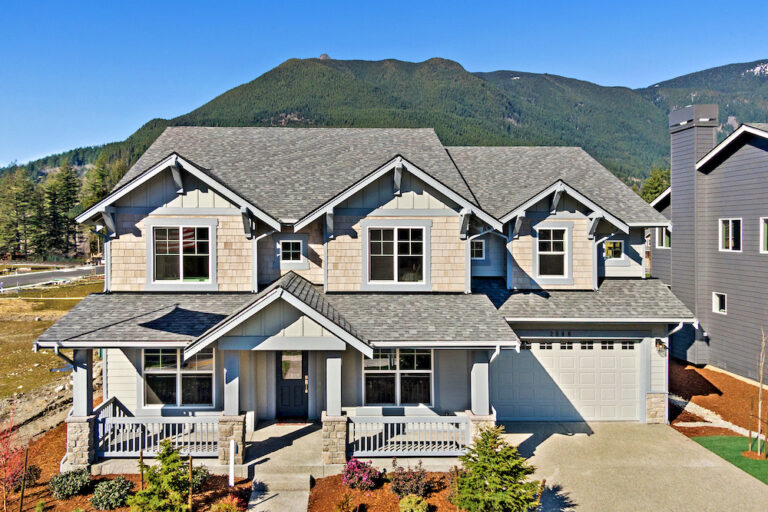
<point x="118" y="435"/>
<point x="404" y="436"/>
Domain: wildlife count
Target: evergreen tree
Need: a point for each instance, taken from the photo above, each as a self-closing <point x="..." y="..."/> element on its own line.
<point x="16" y="207"/>
<point x="95" y="185"/>
<point x="168" y="484"/>
<point x="494" y="477"/>
<point x="656" y="183"/>
<point x="61" y="200"/>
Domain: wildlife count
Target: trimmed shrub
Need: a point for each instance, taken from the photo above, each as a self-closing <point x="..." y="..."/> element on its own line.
<point x="31" y="477"/>
<point x="231" y="503"/>
<point x="409" y="481"/>
<point x="40" y="507"/>
<point x="70" y="483"/>
<point x="360" y="475"/>
<point x="199" y="475"/>
<point x="494" y="477"/>
<point x="111" y="494"/>
<point x="413" y="503"/>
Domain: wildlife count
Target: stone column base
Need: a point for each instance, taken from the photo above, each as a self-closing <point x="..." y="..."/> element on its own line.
<point x="334" y="439"/>
<point x="231" y="427"/>
<point x="478" y="422"/>
<point x="81" y="443"/>
<point x="656" y="408"/>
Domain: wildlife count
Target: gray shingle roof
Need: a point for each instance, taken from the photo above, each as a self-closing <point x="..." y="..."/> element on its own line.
<point x="616" y="299"/>
<point x="424" y="317"/>
<point x="502" y="178"/>
<point x="134" y="317"/>
<point x="288" y="172"/>
<point x="306" y="292"/>
<point x="759" y="126"/>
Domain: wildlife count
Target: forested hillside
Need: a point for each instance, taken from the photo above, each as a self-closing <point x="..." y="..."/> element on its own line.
<point x="624" y="129"/>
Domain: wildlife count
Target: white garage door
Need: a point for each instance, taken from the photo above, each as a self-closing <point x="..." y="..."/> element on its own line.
<point x="568" y="381"/>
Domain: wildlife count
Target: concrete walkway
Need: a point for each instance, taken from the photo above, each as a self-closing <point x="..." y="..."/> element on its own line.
<point x="285" y="457"/>
<point x="630" y="466"/>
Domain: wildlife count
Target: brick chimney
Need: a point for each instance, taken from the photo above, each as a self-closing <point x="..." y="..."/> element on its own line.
<point x="692" y="131"/>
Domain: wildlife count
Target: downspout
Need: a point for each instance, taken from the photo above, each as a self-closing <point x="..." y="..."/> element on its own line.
<point x="255" y="260"/>
<point x="495" y="354"/>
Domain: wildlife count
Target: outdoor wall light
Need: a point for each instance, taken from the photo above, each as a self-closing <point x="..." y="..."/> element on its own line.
<point x="660" y="345"/>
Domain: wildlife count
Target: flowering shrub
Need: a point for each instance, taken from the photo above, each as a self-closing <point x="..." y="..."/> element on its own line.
<point x="231" y="503"/>
<point x="360" y="475"/>
<point x="410" y="481"/>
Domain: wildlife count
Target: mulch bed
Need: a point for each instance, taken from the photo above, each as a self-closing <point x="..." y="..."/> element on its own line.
<point x="730" y="398"/>
<point x="678" y="415"/>
<point x="328" y="491"/>
<point x="47" y="451"/>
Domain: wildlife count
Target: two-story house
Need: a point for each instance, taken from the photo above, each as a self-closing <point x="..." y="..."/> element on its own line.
<point x="399" y="291"/>
<point x="714" y="258"/>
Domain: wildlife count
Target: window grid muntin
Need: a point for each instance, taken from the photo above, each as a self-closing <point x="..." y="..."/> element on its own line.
<point x="380" y="243"/>
<point x="398" y="372"/>
<point x="606" y="345"/>
<point x="477" y="249"/>
<point x="290" y="250"/>
<point x="613" y="249"/>
<point x="179" y="371"/>
<point x="627" y="345"/>
<point x="552" y="242"/>
<point x="587" y="345"/>
<point x="175" y="241"/>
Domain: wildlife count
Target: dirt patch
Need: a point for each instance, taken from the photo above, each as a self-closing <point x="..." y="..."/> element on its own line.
<point x="730" y="398"/>
<point x="48" y="451"/>
<point x="328" y="491"/>
<point x="704" y="431"/>
<point x="753" y="455"/>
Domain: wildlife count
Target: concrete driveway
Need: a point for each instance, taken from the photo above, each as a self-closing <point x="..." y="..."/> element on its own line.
<point x="629" y="466"/>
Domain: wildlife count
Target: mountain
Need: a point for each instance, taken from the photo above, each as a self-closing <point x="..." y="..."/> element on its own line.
<point x="624" y="129"/>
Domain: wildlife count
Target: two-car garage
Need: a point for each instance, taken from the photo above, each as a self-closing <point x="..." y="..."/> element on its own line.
<point x="556" y="380"/>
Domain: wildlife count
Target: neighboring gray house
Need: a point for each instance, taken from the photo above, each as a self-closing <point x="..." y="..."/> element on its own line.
<point x="715" y="260"/>
<point x="400" y="292"/>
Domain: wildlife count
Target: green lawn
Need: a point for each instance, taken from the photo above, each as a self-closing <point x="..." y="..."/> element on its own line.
<point x="730" y="448"/>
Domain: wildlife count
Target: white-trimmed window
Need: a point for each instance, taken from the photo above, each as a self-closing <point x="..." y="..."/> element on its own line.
<point x="477" y="249"/>
<point x="552" y="252"/>
<point x="587" y="345"/>
<point x="720" y="303"/>
<point x="730" y="235"/>
<point x="545" y="345"/>
<point x="764" y="235"/>
<point x="396" y="255"/>
<point x="614" y="249"/>
<point x="170" y="382"/>
<point x="182" y="254"/>
<point x="627" y="345"/>
<point x="290" y="250"/>
<point x="663" y="238"/>
<point x="606" y="345"/>
<point x="398" y="377"/>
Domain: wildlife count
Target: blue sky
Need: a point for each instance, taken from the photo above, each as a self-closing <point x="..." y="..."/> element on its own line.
<point x="82" y="73"/>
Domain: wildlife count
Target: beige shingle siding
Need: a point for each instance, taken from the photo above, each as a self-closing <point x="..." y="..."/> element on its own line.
<point x="129" y="253"/>
<point x="447" y="259"/>
<point x="523" y="277"/>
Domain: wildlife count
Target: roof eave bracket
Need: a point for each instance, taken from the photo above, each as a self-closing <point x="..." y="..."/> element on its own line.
<point x="464" y="223"/>
<point x="518" y="225"/>
<point x="248" y="222"/>
<point x="593" y="222"/>
<point x="177" y="177"/>
<point x="398" y="177"/>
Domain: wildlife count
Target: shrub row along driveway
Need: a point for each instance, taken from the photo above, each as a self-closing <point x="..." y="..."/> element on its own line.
<point x="629" y="466"/>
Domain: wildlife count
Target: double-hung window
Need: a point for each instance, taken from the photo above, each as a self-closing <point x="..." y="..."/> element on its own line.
<point x="170" y="381"/>
<point x="396" y="255"/>
<point x="182" y="254"/>
<point x="663" y="238"/>
<point x="398" y="377"/>
<point x="730" y="235"/>
<point x="552" y="252"/>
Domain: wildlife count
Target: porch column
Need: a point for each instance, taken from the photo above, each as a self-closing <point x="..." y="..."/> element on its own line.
<point x="333" y="384"/>
<point x="81" y="445"/>
<point x="231" y="383"/>
<point x="231" y="422"/>
<point x="82" y="382"/>
<point x="479" y="384"/>
<point x="334" y="431"/>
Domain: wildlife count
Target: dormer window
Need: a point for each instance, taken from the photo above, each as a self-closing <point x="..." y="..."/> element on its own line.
<point x="401" y="262"/>
<point x="182" y="254"/>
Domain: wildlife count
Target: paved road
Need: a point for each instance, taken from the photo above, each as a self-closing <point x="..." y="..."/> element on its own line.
<point x="11" y="281"/>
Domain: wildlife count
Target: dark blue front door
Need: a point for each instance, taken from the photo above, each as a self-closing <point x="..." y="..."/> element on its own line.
<point x="292" y="384"/>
